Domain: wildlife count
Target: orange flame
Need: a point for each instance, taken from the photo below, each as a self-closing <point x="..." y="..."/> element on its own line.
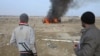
<point x="55" y="20"/>
<point x="46" y="21"/>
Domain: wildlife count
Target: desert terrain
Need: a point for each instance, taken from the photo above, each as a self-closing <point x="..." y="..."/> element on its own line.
<point x="51" y="39"/>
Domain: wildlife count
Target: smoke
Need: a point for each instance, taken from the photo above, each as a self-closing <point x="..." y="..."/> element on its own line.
<point x="60" y="7"/>
<point x="79" y="3"/>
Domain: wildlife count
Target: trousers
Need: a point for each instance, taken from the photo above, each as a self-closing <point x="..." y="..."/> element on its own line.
<point x="24" y="54"/>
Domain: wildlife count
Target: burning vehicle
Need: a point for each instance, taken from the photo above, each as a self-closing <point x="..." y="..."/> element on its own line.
<point x="57" y="10"/>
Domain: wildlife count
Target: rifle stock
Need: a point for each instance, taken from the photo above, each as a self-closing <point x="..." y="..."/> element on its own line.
<point x="27" y="48"/>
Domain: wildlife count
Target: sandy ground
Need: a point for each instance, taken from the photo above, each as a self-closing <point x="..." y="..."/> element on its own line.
<point x="51" y="40"/>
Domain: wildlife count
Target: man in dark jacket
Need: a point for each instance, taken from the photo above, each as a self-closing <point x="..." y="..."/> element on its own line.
<point x="90" y="39"/>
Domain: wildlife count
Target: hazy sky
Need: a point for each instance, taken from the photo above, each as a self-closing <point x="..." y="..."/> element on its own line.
<point x="41" y="7"/>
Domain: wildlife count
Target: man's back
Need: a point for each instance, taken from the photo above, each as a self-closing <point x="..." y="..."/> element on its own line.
<point x="96" y="35"/>
<point x="22" y="34"/>
<point x="23" y="37"/>
<point x="91" y="38"/>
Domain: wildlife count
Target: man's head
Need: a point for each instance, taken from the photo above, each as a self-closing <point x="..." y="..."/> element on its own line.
<point x="24" y="18"/>
<point x="88" y="18"/>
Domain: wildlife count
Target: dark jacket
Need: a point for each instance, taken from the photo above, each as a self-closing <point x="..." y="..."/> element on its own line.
<point x="89" y="42"/>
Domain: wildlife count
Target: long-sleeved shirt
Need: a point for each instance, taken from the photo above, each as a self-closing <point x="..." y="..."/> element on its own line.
<point x="89" y="43"/>
<point x="23" y="33"/>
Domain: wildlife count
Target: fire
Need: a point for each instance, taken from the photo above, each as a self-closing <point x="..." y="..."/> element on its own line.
<point x="55" y="20"/>
<point x="48" y="21"/>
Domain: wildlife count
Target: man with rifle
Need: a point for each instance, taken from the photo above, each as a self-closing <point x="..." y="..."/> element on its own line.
<point x="23" y="37"/>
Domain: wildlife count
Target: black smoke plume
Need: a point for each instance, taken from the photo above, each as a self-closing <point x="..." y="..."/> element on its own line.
<point x="58" y="8"/>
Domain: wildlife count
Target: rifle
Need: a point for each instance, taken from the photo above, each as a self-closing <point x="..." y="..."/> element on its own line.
<point x="27" y="48"/>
